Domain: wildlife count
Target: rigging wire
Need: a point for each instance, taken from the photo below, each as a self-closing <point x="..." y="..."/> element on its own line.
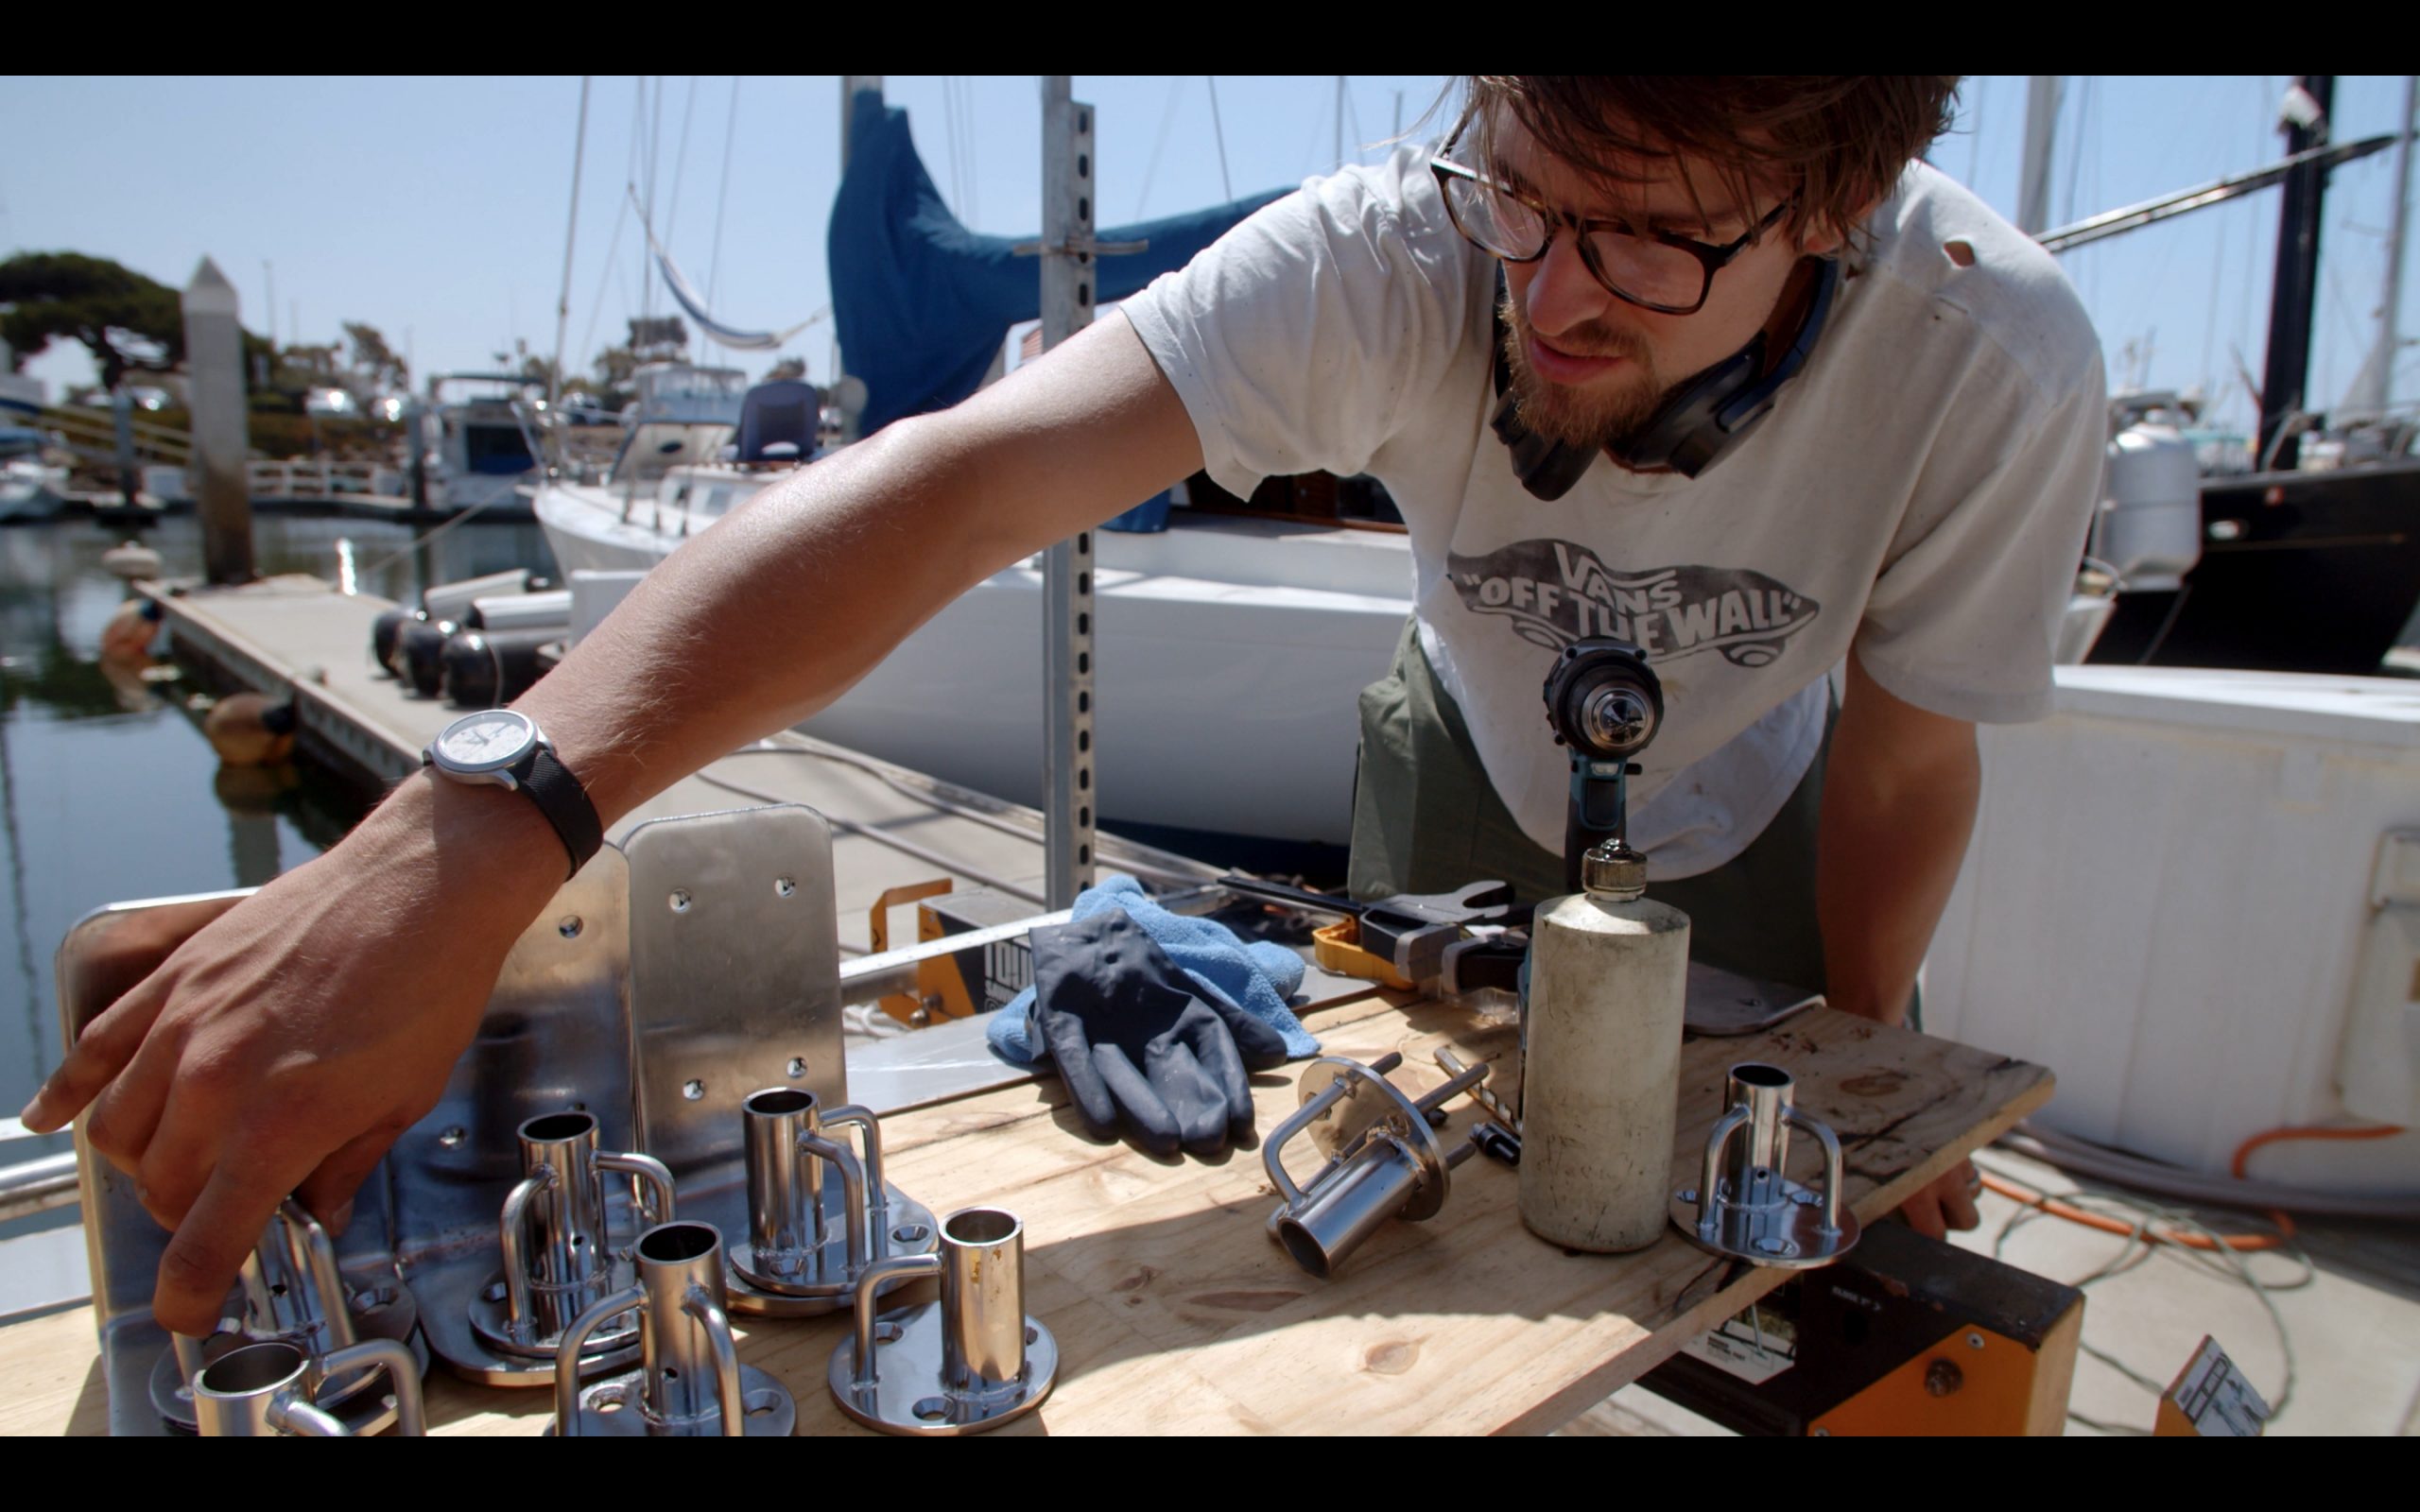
<point x="1219" y="132"/>
<point x="949" y="146"/>
<point x="730" y="132"/>
<point x="680" y="161"/>
<point x="1168" y="119"/>
<point x="1975" y="131"/>
<point x="974" y="178"/>
<point x="571" y="240"/>
<point x="1352" y="118"/>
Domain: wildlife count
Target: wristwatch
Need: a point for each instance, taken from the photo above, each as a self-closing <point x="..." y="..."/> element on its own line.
<point x="501" y="748"/>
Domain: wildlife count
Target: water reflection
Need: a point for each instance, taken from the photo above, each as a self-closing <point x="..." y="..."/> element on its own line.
<point x="108" y="789"/>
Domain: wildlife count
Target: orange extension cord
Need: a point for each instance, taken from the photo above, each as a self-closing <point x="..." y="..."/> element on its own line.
<point x="2240" y="1242"/>
<point x="2243" y="1151"/>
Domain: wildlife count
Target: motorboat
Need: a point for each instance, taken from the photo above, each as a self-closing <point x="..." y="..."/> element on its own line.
<point x="32" y="487"/>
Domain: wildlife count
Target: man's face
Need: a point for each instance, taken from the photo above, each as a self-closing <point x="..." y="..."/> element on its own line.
<point x="1589" y="367"/>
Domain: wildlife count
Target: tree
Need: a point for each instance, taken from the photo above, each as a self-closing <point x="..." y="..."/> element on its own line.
<point x="789" y="367"/>
<point x="376" y="360"/>
<point x="126" y="320"/>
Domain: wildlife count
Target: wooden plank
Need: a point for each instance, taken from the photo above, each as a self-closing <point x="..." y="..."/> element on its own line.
<point x="1175" y="1314"/>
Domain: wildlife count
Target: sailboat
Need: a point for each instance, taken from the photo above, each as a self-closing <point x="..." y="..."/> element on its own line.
<point x="1279" y="621"/>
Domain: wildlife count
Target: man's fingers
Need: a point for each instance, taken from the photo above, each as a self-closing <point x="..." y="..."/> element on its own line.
<point x="1922" y="1213"/>
<point x="124" y="1118"/>
<point x="101" y="1052"/>
<point x="223" y="1225"/>
<point x="328" y="1191"/>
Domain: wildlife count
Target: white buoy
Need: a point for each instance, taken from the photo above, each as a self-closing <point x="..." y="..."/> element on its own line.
<point x="133" y="561"/>
<point x="1601" y="1061"/>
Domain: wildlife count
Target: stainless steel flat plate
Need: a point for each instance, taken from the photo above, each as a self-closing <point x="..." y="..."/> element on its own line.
<point x="610" y="1409"/>
<point x="1722" y="1004"/>
<point x="735" y="977"/>
<point x="906" y="1395"/>
<point x="907" y="1228"/>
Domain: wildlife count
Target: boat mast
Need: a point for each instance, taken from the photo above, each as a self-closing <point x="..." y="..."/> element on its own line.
<point x="571" y="231"/>
<point x="2372" y="388"/>
<point x="2295" y="293"/>
<point x="2034" y="179"/>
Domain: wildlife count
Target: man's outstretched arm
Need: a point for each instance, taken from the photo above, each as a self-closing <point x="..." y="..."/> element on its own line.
<point x="283" y="1047"/>
<point x="1899" y="795"/>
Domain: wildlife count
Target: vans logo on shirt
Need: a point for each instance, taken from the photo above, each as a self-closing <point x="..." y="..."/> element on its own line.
<point x="1555" y="592"/>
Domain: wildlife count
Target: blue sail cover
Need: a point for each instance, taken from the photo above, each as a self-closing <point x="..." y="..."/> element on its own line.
<point x="922" y="304"/>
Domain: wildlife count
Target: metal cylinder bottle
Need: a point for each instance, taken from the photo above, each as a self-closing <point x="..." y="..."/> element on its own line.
<point x="1601" y="1061"/>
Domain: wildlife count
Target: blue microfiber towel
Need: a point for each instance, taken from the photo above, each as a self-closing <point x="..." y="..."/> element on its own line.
<point x="1258" y="977"/>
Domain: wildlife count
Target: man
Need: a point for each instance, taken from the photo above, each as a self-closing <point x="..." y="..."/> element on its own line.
<point x="1912" y="508"/>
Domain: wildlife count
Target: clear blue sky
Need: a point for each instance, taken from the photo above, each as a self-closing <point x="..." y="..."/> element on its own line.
<point x="435" y="209"/>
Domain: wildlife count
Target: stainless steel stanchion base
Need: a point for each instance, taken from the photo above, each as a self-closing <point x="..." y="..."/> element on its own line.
<point x="611" y="1409"/>
<point x="610" y="1346"/>
<point x="907" y="1228"/>
<point x="385" y="1311"/>
<point x="907" y="1395"/>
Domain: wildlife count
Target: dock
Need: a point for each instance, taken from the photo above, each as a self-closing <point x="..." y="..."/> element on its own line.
<point x="892" y="827"/>
<point x="1173" y="1313"/>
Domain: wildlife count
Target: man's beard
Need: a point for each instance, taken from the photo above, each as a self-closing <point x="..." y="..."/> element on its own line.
<point x="1575" y="417"/>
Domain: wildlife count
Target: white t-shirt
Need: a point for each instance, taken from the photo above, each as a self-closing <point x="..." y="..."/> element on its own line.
<point x="1920" y="491"/>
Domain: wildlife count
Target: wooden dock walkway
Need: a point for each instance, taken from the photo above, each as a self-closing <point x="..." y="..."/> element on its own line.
<point x="891" y="826"/>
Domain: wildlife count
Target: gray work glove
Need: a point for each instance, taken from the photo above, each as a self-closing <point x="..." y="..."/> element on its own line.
<point x="1139" y="1043"/>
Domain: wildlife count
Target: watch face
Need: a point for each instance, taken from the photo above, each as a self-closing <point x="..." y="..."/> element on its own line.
<point x="486" y="742"/>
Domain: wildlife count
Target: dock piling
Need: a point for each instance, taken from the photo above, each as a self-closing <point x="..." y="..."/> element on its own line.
<point x="214" y="392"/>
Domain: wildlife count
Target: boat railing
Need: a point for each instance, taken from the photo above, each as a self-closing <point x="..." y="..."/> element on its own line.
<point x="316" y="478"/>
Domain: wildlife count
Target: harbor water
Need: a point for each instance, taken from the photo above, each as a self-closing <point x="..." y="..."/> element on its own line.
<point x="109" y="791"/>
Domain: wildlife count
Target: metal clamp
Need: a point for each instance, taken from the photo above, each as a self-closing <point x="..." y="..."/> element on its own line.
<point x="691" y="1384"/>
<point x="809" y="1239"/>
<point x="963" y="1364"/>
<point x="294" y="1296"/>
<point x="1750" y="1211"/>
<point x="1384" y="1159"/>
<point x="558" y="1258"/>
<point x="271" y="1391"/>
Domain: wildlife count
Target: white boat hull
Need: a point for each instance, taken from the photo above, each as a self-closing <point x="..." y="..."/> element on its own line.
<point x="1229" y="656"/>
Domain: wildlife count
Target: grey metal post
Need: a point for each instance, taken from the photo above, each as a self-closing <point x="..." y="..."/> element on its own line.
<point x="1067" y="277"/>
<point x="214" y="392"/>
<point x="130" y="480"/>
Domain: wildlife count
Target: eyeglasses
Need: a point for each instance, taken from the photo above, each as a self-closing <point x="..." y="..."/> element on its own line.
<point x="1655" y="270"/>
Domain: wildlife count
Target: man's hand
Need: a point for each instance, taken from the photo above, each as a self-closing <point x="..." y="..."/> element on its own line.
<point x="1948" y="1203"/>
<point x="283" y="1047"/>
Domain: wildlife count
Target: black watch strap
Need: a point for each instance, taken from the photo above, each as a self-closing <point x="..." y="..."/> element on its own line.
<point x="564" y="802"/>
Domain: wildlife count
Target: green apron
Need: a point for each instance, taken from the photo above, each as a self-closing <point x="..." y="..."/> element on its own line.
<point x="1425" y="818"/>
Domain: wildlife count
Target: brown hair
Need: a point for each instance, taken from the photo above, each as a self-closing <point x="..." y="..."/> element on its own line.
<point x="1838" y="141"/>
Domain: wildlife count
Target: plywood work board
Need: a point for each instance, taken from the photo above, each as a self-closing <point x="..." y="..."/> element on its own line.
<point x="1176" y="1314"/>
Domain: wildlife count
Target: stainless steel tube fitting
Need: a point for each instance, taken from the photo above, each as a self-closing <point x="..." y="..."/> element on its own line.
<point x="558" y="1257"/>
<point x="1744" y="1205"/>
<point x="293" y="1295"/>
<point x="689" y="1384"/>
<point x="965" y="1363"/>
<point x="809" y="1237"/>
<point x="267" y="1390"/>
<point x="1384" y="1159"/>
